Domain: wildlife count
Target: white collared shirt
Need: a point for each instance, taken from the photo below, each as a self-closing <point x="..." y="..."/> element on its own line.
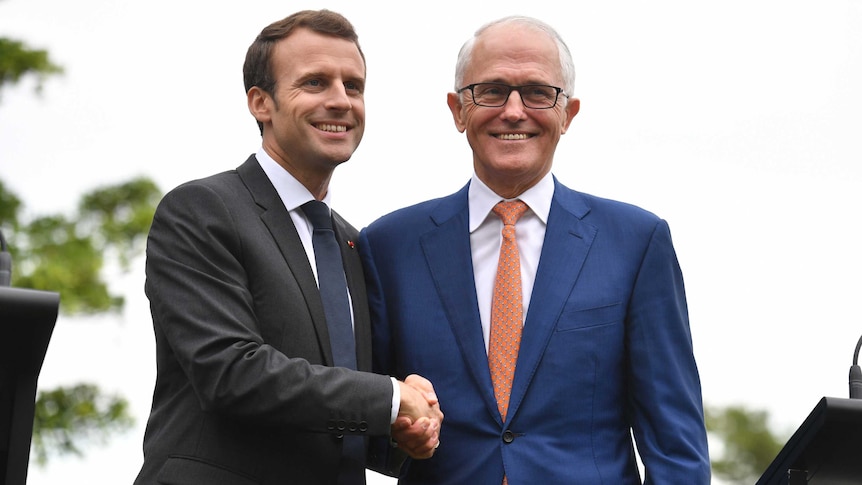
<point x="293" y="194"/>
<point x="486" y="239"/>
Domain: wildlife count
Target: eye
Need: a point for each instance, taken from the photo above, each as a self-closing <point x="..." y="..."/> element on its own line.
<point x="354" y="87"/>
<point x="489" y="90"/>
<point x="540" y="92"/>
<point x="314" y="83"/>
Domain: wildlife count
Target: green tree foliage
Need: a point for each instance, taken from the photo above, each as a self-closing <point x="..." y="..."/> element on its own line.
<point x="67" y="417"/>
<point x="9" y="207"/>
<point x="748" y="444"/>
<point x="67" y="254"/>
<point x="17" y="60"/>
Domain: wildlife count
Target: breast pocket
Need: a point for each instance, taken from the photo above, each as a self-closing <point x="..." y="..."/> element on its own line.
<point x="579" y="318"/>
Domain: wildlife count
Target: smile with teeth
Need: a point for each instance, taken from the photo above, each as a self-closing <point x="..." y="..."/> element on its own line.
<point x="512" y="136"/>
<point x="333" y="128"/>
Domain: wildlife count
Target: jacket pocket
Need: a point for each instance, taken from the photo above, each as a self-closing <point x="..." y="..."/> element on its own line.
<point x="582" y="318"/>
<point x="185" y="470"/>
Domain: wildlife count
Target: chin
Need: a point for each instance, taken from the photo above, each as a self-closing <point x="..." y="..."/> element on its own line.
<point x="513" y="165"/>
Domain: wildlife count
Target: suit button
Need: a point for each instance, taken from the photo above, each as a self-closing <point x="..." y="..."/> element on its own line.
<point x="342" y="425"/>
<point x="363" y="426"/>
<point x="508" y="436"/>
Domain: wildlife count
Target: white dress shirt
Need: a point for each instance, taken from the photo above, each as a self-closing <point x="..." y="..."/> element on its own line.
<point x="486" y="239"/>
<point x="293" y="194"/>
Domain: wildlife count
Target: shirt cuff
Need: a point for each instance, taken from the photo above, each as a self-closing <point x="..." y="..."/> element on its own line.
<point x="396" y="400"/>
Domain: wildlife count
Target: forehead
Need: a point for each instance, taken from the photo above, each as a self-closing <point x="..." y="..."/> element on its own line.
<point x="515" y="54"/>
<point x="306" y="51"/>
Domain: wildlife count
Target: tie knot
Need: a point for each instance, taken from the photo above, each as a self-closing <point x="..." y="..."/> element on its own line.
<point x="510" y="211"/>
<point x="318" y="214"/>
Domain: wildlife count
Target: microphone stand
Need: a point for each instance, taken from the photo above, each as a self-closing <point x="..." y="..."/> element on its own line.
<point x="856" y="374"/>
<point x="5" y="263"/>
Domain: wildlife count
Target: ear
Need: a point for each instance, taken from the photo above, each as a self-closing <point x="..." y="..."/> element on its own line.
<point x="259" y="104"/>
<point x="456" y="107"/>
<point x="572" y="108"/>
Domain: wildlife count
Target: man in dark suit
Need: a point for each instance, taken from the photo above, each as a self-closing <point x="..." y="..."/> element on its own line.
<point x="251" y="388"/>
<point x="553" y="367"/>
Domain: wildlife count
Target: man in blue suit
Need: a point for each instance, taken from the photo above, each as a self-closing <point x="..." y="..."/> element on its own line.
<point x="604" y="358"/>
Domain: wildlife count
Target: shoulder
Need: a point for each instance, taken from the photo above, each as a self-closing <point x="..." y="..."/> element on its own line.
<point x="212" y="180"/>
<point x="225" y="184"/>
<point x="422" y="216"/>
<point x="614" y="220"/>
<point x="212" y="196"/>
<point x="591" y="207"/>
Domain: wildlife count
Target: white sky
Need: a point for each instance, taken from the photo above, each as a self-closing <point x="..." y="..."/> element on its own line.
<point x="737" y="121"/>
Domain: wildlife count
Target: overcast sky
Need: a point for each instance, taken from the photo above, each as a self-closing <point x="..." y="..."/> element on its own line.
<point x="737" y="121"/>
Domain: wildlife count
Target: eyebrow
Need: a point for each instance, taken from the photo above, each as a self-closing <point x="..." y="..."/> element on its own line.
<point x="528" y="83"/>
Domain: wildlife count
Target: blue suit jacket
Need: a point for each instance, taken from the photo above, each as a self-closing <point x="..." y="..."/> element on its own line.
<point x="606" y="351"/>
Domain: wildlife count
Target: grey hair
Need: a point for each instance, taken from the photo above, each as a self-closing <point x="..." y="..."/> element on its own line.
<point x="567" y="65"/>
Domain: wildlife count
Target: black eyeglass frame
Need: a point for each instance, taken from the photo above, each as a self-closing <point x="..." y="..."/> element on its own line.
<point x="470" y="87"/>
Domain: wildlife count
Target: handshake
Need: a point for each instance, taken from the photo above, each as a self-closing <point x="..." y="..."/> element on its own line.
<point x="417" y="427"/>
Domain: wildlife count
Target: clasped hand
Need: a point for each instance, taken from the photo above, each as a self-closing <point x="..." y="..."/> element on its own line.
<point x="417" y="427"/>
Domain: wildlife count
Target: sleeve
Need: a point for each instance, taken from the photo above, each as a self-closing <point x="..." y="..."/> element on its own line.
<point x="665" y="399"/>
<point x="384" y="455"/>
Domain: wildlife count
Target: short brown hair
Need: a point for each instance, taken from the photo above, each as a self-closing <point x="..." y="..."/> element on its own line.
<point x="257" y="70"/>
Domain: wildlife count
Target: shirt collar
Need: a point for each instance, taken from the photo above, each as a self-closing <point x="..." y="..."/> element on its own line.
<point x="482" y="199"/>
<point x="292" y="193"/>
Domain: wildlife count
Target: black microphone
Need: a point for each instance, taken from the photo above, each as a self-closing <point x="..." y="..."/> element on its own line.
<point x="856" y="374"/>
<point x="5" y="263"/>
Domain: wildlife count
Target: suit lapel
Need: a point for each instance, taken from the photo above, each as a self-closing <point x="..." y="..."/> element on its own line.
<point x="447" y="250"/>
<point x="276" y="218"/>
<point x="567" y="242"/>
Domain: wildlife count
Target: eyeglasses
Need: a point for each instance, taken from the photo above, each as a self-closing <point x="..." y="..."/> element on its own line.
<point x="494" y="95"/>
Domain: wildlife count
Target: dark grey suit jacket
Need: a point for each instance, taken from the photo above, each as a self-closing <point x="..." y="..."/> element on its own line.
<point x="245" y="391"/>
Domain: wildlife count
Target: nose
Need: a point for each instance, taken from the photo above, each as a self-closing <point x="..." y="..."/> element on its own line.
<point x="514" y="108"/>
<point x="338" y="98"/>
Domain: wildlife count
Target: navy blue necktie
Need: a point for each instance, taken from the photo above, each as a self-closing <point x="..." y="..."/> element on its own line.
<point x="332" y="284"/>
<point x="336" y="306"/>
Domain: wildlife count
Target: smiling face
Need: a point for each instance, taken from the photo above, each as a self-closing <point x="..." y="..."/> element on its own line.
<point x="513" y="146"/>
<point x="315" y="118"/>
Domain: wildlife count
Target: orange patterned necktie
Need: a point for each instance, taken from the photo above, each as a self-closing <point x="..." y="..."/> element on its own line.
<point x="506" y="307"/>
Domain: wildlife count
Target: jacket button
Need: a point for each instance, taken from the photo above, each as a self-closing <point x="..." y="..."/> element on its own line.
<point x="508" y="436"/>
